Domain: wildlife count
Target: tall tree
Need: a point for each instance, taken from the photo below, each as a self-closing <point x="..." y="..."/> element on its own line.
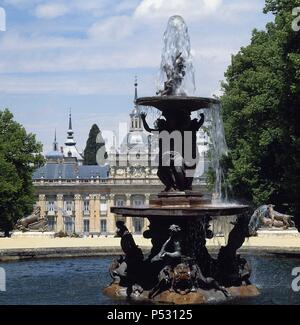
<point x="20" y="154"/>
<point x="92" y="146"/>
<point x="261" y="108"/>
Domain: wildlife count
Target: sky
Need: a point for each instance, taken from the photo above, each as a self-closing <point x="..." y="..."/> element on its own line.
<point x="84" y="55"/>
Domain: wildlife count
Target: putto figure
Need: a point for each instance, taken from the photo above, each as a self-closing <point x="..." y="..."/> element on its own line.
<point x="176" y="168"/>
<point x="175" y="75"/>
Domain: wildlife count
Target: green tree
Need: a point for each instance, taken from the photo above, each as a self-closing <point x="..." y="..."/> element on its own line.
<point x="92" y="146"/>
<point x="261" y="105"/>
<point x="20" y="154"/>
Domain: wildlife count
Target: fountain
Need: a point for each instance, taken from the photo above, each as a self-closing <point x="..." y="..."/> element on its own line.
<point x="179" y="268"/>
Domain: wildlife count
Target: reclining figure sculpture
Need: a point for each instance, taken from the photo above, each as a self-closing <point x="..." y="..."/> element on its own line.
<point x="33" y="222"/>
<point x="266" y="216"/>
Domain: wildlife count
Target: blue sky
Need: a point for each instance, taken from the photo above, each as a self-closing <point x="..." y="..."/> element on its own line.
<point x="84" y="54"/>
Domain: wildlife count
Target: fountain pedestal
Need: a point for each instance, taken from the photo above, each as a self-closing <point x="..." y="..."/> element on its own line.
<point x="180" y="269"/>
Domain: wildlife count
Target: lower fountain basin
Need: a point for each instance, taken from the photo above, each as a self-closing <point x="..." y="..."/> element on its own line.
<point x="175" y="103"/>
<point x="197" y="297"/>
<point x="205" y="210"/>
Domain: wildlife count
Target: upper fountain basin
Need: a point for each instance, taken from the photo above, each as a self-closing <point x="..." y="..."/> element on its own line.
<point x="184" y="103"/>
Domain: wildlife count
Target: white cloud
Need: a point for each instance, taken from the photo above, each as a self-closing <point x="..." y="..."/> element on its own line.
<point x="149" y="9"/>
<point x="113" y="29"/>
<point x="120" y="42"/>
<point x="51" y="10"/>
<point x="126" y="5"/>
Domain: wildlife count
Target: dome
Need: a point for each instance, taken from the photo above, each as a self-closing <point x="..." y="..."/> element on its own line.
<point x="135" y="140"/>
<point x="54" y="155"/>
<point x="135" y="112"/>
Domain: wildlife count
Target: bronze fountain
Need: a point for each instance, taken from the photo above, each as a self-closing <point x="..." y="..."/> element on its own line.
<point x="179" y="268"/>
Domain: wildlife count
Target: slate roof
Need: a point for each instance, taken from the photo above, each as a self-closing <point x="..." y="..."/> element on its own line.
<point x="70" y="171"/>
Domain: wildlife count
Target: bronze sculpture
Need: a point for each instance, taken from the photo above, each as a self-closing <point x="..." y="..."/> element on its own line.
<point x="33" y="222"/>
<point x="123" y="270"/>
<point x="176" y="167"/>
<point x="179" y="264"/>
<point x="175" y="75"/>
<point x="266" y="216"/>
<point x="180" y="273"/>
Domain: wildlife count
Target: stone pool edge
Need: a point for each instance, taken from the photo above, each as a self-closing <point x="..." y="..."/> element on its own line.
<point x="7" y="255"/>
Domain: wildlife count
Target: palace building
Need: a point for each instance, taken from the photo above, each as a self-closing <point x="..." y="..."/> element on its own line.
<point x="77" y="198"/>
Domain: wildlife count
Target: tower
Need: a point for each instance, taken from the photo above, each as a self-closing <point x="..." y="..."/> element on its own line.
<point x="70" y="150"/>
<point x="55" y="155"/>
<point x="135" y="115"/>
<point x="70" y="134"/>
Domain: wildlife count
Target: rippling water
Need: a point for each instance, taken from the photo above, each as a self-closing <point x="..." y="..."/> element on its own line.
<point x="81" y="280"/>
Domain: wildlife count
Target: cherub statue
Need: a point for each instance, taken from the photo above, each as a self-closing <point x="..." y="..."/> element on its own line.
<point x="171" y="166"/>
<point x="171" y="249"/>
<point x="175" y="75"/>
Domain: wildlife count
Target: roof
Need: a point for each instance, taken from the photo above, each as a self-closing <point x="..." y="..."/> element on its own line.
<point x="54" y="155"/>
<point x="70" y="171"/>
<point x="71" y="151"/>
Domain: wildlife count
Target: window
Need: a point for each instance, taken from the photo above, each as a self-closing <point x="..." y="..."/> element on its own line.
<point x="86" y="225"/>
<point x="86" y="206"/>
<point x="69" y="205"/>
<point x="69" y="225"/>
<point x="103" y="226"/>
<point x="51" y="223"/>
<point x="51" y="206"/>
<point x="120" y="202"/>
<point x="138" y="202"/>
<point x="138" y="224"/>
<point x="103" y="207"/>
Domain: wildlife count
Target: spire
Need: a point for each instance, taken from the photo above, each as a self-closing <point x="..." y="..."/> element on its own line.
<point x="55" y="144"/>
<point x="70" y="119"/>
<point x="70" y="150"/>
<point x="135" y="86"/>
<point x="70" y="139"/>
<point x="135" y="116"/>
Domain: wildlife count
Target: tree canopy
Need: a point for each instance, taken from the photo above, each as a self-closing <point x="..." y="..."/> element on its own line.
<point x="92" y="146"/>
<point x="20" y="154"/>
<point x="261" y="105"/>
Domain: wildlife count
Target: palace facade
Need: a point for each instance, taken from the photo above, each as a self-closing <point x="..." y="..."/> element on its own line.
<point x="77" y="198"/>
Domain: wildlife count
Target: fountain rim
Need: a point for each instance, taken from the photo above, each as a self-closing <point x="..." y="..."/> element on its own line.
<point x="177" y="211"/>
<point x="186" y="103"/>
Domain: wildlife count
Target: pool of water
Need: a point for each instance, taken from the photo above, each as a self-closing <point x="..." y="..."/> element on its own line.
<point x="81" y="280"/>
